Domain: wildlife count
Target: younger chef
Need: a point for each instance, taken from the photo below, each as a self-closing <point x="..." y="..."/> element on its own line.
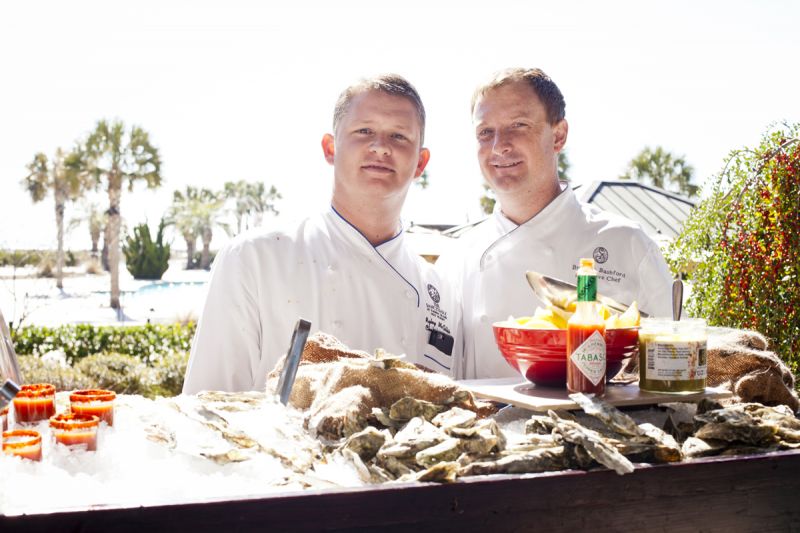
<point x="538" y="224"/>
<point x="348" y="270"/>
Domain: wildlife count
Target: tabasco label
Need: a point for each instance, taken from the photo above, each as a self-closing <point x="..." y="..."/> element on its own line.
<point x="590" y="358"/>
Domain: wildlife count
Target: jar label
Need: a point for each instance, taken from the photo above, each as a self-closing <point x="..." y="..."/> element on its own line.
<point x="590" y="357"/>
<point x="676" y="361"/>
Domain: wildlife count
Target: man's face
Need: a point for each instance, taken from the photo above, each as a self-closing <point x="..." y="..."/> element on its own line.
<point x="376" y="149"/>
<point x="517" y="146"/>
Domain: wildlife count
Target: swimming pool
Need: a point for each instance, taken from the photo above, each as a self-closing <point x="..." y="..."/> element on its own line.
<point x="164" y="301"/>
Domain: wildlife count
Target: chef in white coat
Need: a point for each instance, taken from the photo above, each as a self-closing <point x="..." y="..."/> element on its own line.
<point x="348" y="270"/>
<point x="538" y="224"/>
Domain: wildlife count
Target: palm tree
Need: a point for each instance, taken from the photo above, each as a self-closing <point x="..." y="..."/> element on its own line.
<point x="115" y="157"/>
<point x="208" y="210"/>
<point x="62" y="176"/>
<point x="95" y="218"/>
<point x="183" y="215"/>
<point x="97" y="222"/>
<point x="251" y="201"/>
<point x="662" y="169"/>
<point x="195" y="213"/>
<point x="424" y="180"/>
<point x="563" y="166"/>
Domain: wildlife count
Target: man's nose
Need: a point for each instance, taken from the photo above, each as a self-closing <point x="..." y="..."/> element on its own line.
<point x="380" y="145"/>
<point x="501" y="144"/>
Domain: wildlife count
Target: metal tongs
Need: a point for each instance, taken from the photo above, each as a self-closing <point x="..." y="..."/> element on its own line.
<point x="289" y="371"/>
<point x="9" y="368"/>
<point x="561" y="294"/>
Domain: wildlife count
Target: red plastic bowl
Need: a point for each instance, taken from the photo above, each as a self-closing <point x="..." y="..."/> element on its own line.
<point x="540" y="355"/>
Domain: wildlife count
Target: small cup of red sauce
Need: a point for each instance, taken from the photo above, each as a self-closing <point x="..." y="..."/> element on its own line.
<point x="34" y="403"/>
<point x="25" y="443"/>
<point x="97" y="402"/>
<point x="75" y="431"/>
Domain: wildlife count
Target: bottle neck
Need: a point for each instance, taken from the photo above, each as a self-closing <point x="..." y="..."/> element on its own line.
<point x="587" y="288"/>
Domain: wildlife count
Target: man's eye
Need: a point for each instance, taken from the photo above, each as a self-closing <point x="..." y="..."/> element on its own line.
<point x="484" y="133"/>
<point x="364" y="131"/>
<point x="399" y="137"/>
<point x="518" y="125"/>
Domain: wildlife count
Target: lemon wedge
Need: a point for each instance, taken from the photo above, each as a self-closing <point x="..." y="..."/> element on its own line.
<point x="630" y="318"/>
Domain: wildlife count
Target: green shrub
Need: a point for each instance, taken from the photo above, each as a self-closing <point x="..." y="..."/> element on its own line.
<point x="46" y="267"/>
<point x="149" y="360"/>
<point x="34" y="370"/>
<point x="149" y="342"/>
<point x="121" y="373"/>
<point x="212" y="254"/>
<point x="20" y="258"/>
<point x="168" y="374"/>
<point x="741" y="246"/>
<point x="145" y="258"/>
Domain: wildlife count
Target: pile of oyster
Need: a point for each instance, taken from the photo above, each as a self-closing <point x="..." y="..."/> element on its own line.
<point x="417" y="440"/>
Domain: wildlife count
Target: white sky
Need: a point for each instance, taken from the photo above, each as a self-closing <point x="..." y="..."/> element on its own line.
<point x="244" y="90"/>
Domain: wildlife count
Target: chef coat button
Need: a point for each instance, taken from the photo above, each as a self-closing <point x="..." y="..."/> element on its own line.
<point x="484" y="319"/>
<point x="548" y="251"/>
<point x="489" y="257"/>
<point x="337" y="324"/>
<point x="409" y="295"/>
<point x="403" y="341"/>
<point x="332" y="268"/>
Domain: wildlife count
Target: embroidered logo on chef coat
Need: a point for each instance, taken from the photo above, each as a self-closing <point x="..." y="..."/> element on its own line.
<point x="436" y="322"/>
<point x="600" y="255"/>
<point x="609" y="274"/>
<point x="434" y="294"/>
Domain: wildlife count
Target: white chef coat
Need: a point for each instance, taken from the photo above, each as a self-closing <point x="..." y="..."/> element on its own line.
<point x="325" y="271"/>
<point x="487" y="267"/>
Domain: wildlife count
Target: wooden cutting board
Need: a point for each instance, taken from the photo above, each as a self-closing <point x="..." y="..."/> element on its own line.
<point x="521" y="393"/>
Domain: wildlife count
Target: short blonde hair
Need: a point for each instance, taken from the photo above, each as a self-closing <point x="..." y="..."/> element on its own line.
<point x="542" y="85"/>
<point x="393" y="84"/>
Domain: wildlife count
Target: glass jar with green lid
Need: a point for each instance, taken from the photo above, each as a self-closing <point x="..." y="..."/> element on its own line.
<point x="672" y="355"/>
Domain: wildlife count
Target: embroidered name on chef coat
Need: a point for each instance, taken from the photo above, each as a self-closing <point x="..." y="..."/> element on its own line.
<point x="440" y="336"/>
<point x="601" y="255"/>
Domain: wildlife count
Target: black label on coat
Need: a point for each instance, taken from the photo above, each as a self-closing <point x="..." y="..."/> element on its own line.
<point x="441" y="341"/>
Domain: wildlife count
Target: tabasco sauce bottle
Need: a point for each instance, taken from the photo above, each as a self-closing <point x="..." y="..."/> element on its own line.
<point x="586" y="343"/>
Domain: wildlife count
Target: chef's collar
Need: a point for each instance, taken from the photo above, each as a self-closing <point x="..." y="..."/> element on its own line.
<point x="392" y="251"/>
<point x="507" y="225"/>
<point x="358" y="236"/>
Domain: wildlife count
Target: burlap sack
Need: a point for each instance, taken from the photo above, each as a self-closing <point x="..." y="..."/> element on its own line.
<point x="339" y="387"/>
<point x="739" y="359"/>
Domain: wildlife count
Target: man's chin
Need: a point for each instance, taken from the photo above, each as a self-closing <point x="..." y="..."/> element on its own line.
<point x="506" y="183"/>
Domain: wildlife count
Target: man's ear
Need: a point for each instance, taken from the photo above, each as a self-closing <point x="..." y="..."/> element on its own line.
<point x="327" y="147"/>
<point x="560" y="131"/>
<point x="424" y="157"/>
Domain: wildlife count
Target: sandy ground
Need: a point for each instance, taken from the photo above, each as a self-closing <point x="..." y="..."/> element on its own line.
<point x="85" y="297"/>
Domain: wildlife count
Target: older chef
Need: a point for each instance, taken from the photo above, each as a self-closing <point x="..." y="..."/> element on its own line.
<point x="347" y="270"/>
<point x="538" y="223"/>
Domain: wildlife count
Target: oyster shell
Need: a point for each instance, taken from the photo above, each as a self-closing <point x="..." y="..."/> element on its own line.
<point x="540" y="425"/>
<point x="444" y="472"/>
<point x="595" y="444"/>
<point x="447" y="450"/>
<point x="735" y="424"/>
<point x="417" y="435"/>
<point x="366" y="442"/>
<point x="482" y="438"/>
<point x="607" y="413"/>
<point x="455" y="417"/>
<point x="408" y="408"/>
<point x="541" y="460"/>
<point x="394" y="465"/>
